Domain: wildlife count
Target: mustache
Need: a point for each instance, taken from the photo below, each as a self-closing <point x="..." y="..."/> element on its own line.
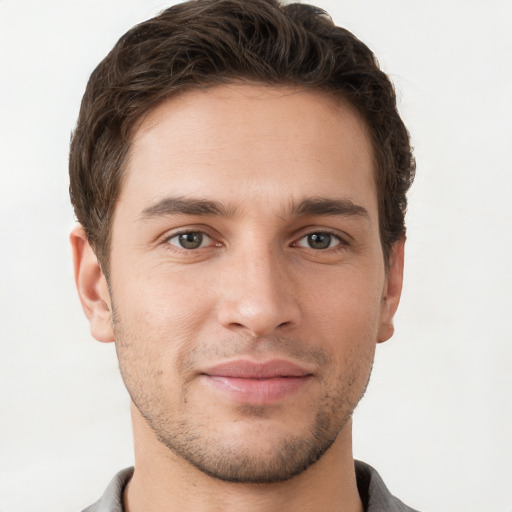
<point x="261" y="348"/>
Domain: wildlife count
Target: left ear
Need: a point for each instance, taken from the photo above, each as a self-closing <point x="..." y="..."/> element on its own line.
<point x="392" y="291"/>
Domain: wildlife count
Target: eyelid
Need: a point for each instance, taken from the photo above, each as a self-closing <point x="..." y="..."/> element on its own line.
<point x="344" y="238"/>
<point x="335" y="242"/>
<point x="165" y="240"/>
<point x="204" y="242"/>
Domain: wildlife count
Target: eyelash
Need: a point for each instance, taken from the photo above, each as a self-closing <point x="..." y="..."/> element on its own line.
<point x="174" y="248"/>
<point x="340" y="246"/>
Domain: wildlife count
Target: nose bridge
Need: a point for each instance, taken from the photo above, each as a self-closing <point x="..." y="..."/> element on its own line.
<point x="260" y="295"/>
<point x="264" y="271"/>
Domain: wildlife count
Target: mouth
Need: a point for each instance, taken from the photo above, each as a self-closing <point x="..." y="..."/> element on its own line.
<point x="257" y="383"/>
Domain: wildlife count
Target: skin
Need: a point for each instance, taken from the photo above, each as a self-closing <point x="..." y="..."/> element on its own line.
<point x="289" y="267"/>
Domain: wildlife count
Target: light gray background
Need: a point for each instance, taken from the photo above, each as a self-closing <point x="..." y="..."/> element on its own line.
<point x="437" y="418"/>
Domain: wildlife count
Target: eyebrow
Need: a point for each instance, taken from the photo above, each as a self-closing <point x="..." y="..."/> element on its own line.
<point x="185" y="206"/>
<point x="328" y="206"/>
<point x="205" y="207"/>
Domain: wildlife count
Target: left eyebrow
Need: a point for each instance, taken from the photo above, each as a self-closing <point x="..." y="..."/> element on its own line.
<point x="329" y="206"/>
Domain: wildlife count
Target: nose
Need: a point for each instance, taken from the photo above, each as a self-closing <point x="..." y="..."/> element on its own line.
<point x="259" y="295"/>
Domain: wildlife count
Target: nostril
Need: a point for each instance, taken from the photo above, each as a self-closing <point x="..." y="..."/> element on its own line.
<point x="259" y="313"/>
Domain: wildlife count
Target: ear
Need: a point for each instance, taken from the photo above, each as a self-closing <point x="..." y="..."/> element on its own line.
<point x="92" y="287"/>
<point x="392" y="291"/>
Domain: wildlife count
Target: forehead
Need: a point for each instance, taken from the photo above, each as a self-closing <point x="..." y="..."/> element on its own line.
<point x="237" y="142"/>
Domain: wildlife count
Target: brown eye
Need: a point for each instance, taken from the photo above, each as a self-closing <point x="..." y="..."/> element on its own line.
<point x="190" y="240"/>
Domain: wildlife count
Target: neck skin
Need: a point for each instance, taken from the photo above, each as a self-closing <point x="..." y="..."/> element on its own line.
<point x="162" y="481"/>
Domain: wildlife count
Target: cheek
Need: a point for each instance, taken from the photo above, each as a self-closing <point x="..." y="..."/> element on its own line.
<point x="348" y="306"/>
<point x="156" y="325"/>
<point x="165" y="300"/>
<point x="347" y="316"/>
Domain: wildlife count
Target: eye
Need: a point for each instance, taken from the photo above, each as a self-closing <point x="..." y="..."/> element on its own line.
<point x="190" y="240"/>
<point x="319" y="241"/>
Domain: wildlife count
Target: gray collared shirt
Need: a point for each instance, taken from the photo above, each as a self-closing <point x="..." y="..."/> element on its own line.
<point x="374" y="493"/>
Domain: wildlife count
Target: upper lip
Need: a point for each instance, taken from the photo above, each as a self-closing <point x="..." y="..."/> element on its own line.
<point x="246" y="369"/>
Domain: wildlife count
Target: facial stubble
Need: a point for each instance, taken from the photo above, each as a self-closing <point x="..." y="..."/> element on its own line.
<point x="191" y="436"/>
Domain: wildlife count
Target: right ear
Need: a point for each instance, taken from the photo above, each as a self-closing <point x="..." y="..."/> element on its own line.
<point x="92" y="287"/>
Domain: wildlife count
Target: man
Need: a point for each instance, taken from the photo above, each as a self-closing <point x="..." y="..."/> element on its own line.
<point x="239" y="172"/>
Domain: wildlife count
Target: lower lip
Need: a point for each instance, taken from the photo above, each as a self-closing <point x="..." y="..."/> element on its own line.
<point x="257" y="391"/>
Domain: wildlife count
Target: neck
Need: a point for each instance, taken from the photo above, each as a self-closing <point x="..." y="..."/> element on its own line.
<point x="163" y="481"/>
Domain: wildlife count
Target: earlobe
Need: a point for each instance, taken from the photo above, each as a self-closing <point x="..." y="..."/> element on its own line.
<point x="392" y="291"/>
<point x="92" y="287"/>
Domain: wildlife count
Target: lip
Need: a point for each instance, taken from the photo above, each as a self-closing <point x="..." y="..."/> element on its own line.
<point x="257" y="383"/>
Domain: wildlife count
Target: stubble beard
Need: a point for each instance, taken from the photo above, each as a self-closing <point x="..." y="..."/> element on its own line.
<point x="236" y="460"/>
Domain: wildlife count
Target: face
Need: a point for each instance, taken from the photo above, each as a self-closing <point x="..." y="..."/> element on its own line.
<point x="247" y="281"/>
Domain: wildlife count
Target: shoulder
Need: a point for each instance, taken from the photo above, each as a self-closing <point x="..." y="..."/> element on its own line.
<point x="112" y="499"/>
<point x="374" y="493"/>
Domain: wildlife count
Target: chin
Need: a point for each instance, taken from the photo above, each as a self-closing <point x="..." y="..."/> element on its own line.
<point x="257" y="450"/>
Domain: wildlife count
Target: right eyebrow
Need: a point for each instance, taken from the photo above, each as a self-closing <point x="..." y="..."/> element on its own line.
<point x="185" y="206"/>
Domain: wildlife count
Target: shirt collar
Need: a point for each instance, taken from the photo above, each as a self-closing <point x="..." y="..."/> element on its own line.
<point x="372" y="490"/>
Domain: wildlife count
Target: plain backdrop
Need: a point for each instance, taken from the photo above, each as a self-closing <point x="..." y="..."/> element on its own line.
<point x="437" y="418"/>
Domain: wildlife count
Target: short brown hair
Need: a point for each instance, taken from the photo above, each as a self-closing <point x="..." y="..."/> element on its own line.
<point x="202" y="43"/>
